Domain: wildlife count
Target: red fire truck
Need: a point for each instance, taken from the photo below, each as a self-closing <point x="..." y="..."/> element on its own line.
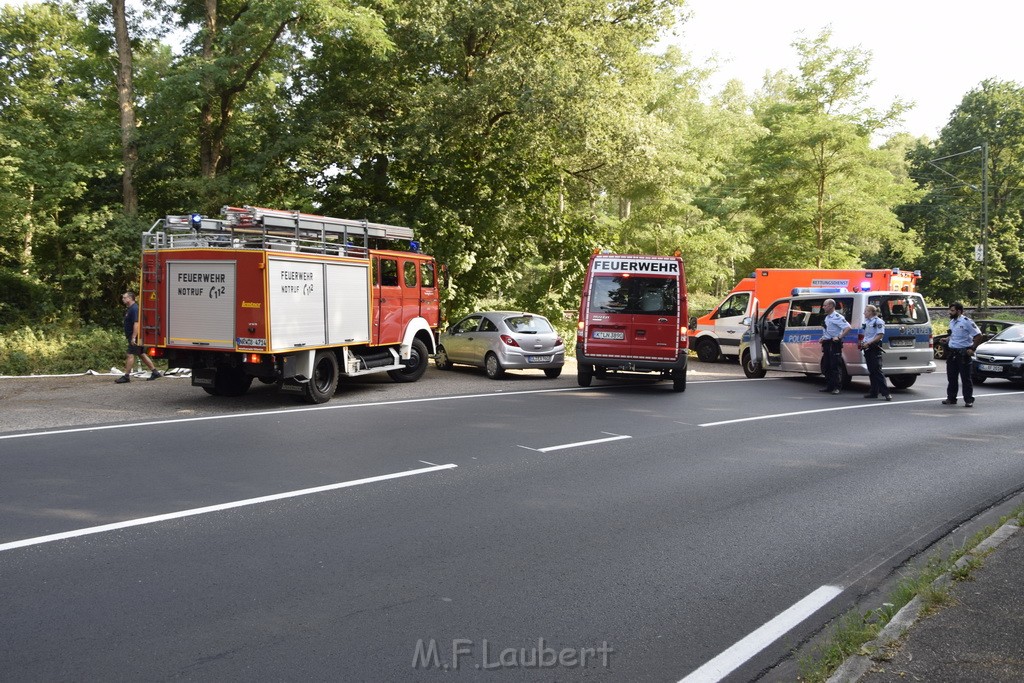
<point x="287" y="298"/>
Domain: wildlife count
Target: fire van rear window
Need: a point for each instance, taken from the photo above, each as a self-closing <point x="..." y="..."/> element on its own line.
<point x="634" y="295"/>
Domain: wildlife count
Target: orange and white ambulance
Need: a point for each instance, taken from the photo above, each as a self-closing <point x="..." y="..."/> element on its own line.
<point x="718" y="333"/>
<point x="632" y="318"/>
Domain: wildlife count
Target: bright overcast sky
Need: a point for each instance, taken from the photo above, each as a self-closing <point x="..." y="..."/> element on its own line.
<point x="931" y="52"/>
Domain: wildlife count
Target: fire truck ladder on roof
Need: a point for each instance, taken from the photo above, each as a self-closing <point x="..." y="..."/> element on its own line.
<point x="258" y="228"/>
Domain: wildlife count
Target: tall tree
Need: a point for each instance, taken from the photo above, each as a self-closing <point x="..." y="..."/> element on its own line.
<point x="823" y="194"/>
<point x="126" y="105"/>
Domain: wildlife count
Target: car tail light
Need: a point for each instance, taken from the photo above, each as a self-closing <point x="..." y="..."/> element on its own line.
<point x="559" y="341"/>
<point x="509" y="341"/>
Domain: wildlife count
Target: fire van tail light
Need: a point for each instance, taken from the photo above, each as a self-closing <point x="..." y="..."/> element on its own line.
<point x="509" y="341"/>
<point x="154" y="352"/>
<point x="253" y="358"/>
<point x="579" y="331"/>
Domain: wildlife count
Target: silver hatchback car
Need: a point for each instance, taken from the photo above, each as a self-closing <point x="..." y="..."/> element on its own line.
<point x="502" y="340"/>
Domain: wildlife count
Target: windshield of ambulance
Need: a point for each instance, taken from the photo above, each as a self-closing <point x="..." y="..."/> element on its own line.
<point x="900" y="308"/>
<point x="633" y="295"/>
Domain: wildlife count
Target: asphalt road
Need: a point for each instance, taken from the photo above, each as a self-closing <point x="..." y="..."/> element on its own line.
<point x="505" y="524"/>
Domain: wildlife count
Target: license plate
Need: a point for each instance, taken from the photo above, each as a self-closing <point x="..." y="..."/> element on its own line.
<point x="538" y="359"/>
<point x="990" y="368"/>
<point x="901" y="342"/>
<point x="604" y="334"/>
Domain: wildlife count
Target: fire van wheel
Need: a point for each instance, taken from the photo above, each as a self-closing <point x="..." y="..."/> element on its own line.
<point x="416" y="365"/>
<point x="584" y="374"/>
<point x="903" y="381"/>
<point x="324" y="382"/>
<point x="230" y="382"/>
<point x="679" y="379"/>
<point x="751" y="369"/>
<point x="708" y="351"/>
<point x="493" y="367"/>
<point x="441" y="360"/>
<point x="552" y="373"/>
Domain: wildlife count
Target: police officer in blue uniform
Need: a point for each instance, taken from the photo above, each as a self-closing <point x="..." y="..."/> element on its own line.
<point x="836" y="328"/>
<point x="872" y="333"/>
<point x="964" y="337"/>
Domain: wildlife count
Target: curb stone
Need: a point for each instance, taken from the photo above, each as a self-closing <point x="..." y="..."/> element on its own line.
<point x="857" y="666"/>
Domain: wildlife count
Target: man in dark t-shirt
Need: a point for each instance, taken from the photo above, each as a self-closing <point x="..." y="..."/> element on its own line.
<point x="131" y="331"/>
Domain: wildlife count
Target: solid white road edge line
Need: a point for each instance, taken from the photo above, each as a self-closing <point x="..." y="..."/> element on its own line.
<point x="548" y="449"/>
<point x="344" y="406"/>
<point x="873" y="404"/>
<point x="215" y="508"/>
<point x="731" y="659"/>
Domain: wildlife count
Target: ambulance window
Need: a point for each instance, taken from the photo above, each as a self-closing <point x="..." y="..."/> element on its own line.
<point x="733" y="306"/>
<point x="388" y="273"/>
<point x="427" y="273"/>
<point x="609" y="294"/>
<point x="409" y="272"/>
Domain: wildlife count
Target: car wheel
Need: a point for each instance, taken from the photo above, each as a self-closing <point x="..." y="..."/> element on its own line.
<point x="441" y="360"/>
<point x="493" y="367"/>
<point x="324" y="382"/>
<point x="902" y="381"/>
<point x="679" y="379"/>
<point x="584" y="374"/>
<point x="552" y="373"/>
<point x="708" y="351"/>
<point x="751" y="369"/>
<point x="416" y="365"/>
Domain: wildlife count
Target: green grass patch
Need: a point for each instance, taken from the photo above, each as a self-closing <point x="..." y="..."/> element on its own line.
<point x="58" y="349"/>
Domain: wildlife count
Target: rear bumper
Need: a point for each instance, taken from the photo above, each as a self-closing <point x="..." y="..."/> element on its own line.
<point x="857" y="369"/>
<point x="626" y="364"/>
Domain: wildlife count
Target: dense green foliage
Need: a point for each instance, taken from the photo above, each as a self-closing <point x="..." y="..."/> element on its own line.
<point x="515" y="137"/>
<point x="56" y="349"/>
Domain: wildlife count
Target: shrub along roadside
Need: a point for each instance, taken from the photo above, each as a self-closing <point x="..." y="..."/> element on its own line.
<point x="56" y="350"/>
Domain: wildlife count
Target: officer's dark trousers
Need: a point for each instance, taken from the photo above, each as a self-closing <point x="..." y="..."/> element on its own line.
<point x="873" y="358"/>
<point x="831" y="364"/>
<point x="958" y="366"/>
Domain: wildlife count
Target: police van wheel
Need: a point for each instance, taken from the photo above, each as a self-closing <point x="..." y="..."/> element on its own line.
<point x="904" y="381"/>
<point x="493" y="367"/>
<point x="584" y="374"/>
<point x="324" y="382"/>
<point x="751" y="369"/>
<point x="416" y="365"/>
<point x="679" y="379"/>
<point x="708" y="351"/>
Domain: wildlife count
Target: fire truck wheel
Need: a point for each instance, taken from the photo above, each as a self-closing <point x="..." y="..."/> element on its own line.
<point x="493" y="367"/>
<point x="679" y="379"/>
<point x="418" y="359"/>
<point x="708" y="351"/>
<point x="584" y="374"/>
<point x="552" y="373"/>
<point x="441" y="359"/>
<point x="324" y="382"/>
<point x="231" y="382"/>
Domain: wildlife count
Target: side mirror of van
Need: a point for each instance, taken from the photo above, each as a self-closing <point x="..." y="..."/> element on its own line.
<point x="747" y="321"/>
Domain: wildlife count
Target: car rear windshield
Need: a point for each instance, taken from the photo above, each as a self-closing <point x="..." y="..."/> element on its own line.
<point x="528" y="324"/>
<point x="634" y="295"/>
<point x="900" y="309"/>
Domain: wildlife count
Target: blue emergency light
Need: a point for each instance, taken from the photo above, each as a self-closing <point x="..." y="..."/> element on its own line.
<point x="865" y="286"/>
<point x="196" y="220"/>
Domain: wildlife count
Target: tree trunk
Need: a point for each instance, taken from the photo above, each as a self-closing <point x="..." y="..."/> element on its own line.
<point x="126" y="102"/>
<point x="208" y="155"/>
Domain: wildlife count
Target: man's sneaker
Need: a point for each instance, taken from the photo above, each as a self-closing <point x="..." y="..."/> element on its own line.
<point x="123" y="379"/>
<point x="968" y="404"/>
<point x="949" y="402"/>
<point x="835" y="391"/>
<point x="156" y="375"/>
<point x="888" y="397"/>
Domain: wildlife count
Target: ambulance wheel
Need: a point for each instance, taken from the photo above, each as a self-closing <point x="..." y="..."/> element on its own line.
<point x="584" y="374"/>
<point x="751" y="369"/>
<point x="324" y="382"/>
<point x="441" y="360"/>
<point x="231" y="382"/>
<point x="708" y="351"/>
<point x="552" y="373"/>
<point x="417" y="364"/>
<point x="679" y="379"/>
<point x="493" y="367"/>
<point x="904" y="381"/>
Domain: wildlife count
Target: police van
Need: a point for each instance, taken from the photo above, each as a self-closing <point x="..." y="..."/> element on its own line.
<point x="787" y="336"/>
<point x="632" y="318"/>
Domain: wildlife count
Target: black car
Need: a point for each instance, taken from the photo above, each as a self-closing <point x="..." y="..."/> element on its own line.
<point x="989" y="329"/>
<point x="1002" y="357"/>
